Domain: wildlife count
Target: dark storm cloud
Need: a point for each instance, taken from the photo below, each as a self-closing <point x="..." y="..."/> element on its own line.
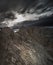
<point x="24" y="6"/>
<point x="46" y="21"/>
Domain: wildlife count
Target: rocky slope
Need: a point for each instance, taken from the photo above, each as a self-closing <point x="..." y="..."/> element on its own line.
<point x="29" y="46"/>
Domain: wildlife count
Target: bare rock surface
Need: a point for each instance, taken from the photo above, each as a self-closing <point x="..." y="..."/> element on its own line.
<point x="28" y="46"/>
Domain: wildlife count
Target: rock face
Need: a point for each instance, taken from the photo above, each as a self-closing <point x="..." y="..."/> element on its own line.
<point x="29" y="46"/>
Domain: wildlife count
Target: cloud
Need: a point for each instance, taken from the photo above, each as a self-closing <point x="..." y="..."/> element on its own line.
<point x="25" y="17"/>
<point x="13" y="12"/>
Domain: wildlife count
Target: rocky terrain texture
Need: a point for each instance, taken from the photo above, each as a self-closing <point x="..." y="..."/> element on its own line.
<point x="28" y="46"/>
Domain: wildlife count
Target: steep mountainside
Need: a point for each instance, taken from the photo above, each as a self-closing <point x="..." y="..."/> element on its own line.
<point x="28" y="46"/>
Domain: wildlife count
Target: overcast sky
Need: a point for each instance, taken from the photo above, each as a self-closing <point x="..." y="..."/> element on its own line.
<point x="13" y="12"/>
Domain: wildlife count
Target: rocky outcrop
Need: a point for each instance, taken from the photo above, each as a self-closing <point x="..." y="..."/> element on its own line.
<point x="29" y="46"/>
